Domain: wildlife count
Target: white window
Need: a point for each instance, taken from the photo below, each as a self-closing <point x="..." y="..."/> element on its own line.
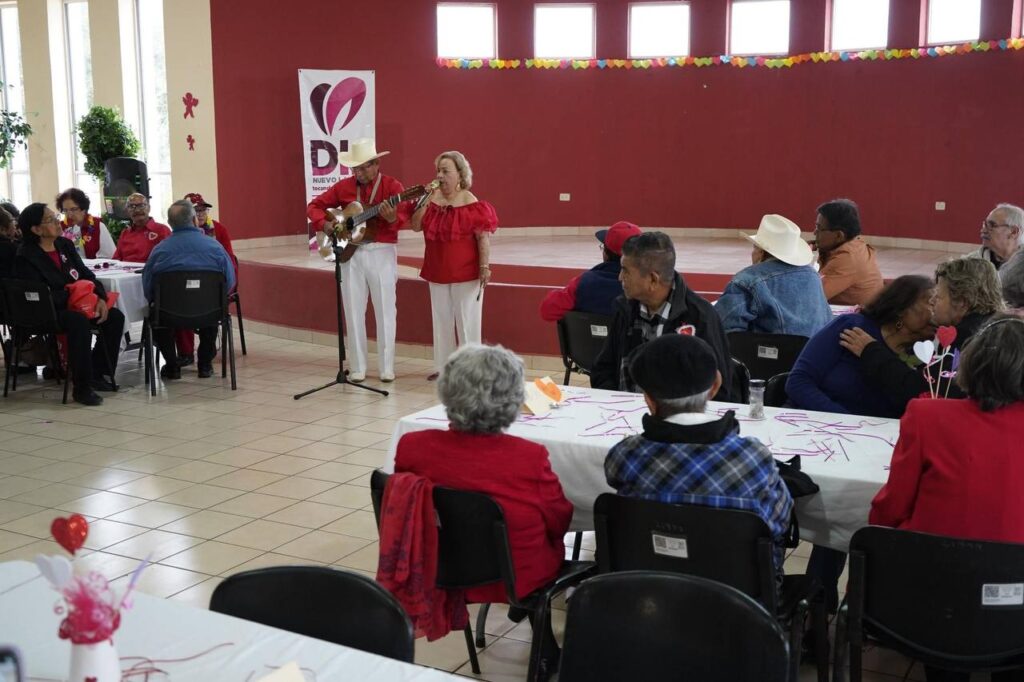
<point x="466" y="30"/>
<point x="152" y="79"/>
<point x="759" y="27"/>
<point x="563" y="31"/>
<point x="659" y="29"/>
<point x="860" y="24"/>
<point x="953" y="21"/>
<point x="79" y="70"/>
<point x="14" y="181"/>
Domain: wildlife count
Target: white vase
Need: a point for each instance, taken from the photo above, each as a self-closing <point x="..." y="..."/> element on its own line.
<point x="95" y="663"/>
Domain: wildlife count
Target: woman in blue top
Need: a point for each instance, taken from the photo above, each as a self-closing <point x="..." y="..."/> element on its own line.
<point x="829" y="378"/>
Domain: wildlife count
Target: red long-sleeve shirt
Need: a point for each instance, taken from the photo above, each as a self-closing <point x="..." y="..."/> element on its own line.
<point x="136" y="243"/>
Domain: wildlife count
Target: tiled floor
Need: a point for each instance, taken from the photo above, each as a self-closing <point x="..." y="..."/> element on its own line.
<point x="211" y="481"/>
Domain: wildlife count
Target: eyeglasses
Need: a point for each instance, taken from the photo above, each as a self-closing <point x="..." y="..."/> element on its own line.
<point x="991" y="225"/>
<point x="73" y="209"/>
<point x="135" y="207"/>
<point x="49" y="220"/>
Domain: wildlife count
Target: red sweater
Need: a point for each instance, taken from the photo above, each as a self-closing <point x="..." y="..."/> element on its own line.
<point x="517" y="474"/>
<point x="344" y="192"/>
<point x="956" y="471"/>
<point x="136" y="243"/>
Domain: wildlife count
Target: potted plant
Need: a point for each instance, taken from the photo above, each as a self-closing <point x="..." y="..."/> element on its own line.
<point x="102" y="135"/>
<point x="14" y="132"/>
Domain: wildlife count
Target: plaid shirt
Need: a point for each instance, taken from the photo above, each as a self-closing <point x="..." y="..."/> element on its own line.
<point x="733" y="473"/>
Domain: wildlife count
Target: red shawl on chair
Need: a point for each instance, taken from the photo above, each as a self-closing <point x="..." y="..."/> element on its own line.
<point x="408" y="558"/>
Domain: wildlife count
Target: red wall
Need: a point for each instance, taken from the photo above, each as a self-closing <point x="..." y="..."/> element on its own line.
<point x="712" y="147"/>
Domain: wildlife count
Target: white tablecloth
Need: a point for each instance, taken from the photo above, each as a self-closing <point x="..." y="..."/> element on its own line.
<point x="164" y="630"/>
<point x="847" y="456"/>
<point x="126" y="280"/>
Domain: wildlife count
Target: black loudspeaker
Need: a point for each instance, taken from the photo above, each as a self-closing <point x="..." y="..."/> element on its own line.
<point x="124" y="176"/>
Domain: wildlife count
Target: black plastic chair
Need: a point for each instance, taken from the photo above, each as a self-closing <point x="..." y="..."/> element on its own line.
<point x="581" y="336"/>
<point x="775" y="391"/>
<point x="650" y="626"/>
<point x="730" y="546"/>
<point x="473" y="550"/>
<point x="191" y="299"/>
<point x="766" y="355"/>
<point x="28" y="309"/>
<point x="316" y="601"/>
<point x="234" y="297"/>
<point x="947" y="602"/>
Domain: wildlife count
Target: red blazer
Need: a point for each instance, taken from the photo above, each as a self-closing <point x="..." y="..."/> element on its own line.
<point x="956" y="471"/>
<point x="517" y="474"/>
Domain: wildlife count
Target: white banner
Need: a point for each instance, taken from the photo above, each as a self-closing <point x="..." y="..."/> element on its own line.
<point x="337" y="108"/>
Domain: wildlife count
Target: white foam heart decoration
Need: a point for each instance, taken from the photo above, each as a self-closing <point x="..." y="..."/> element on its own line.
<point x="924" y="350"/>
<point x="56" y="569"/>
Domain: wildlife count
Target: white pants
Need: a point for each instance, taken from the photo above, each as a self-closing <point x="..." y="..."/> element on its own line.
<point x="454" y="307"/>
<point x="373" y="271"/>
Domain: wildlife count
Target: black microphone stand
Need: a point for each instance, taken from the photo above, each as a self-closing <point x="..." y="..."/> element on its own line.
<point x="342" y="378"/>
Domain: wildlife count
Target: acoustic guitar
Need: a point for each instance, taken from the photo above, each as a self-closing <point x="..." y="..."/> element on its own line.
<point x="352" y="221"/>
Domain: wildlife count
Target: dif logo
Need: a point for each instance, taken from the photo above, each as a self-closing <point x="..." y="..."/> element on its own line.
<point x="327" y="104"/>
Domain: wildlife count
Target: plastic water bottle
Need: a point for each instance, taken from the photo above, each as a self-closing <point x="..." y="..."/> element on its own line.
<point x="756" y="399"/>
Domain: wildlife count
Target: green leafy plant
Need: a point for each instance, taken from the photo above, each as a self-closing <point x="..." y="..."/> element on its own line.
<point x="102" y="135"/>
<point x="115" y="225"/>
<point x="14" y="132"/>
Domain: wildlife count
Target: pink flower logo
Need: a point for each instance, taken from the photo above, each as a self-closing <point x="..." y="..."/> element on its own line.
<point x="327" y="103"/>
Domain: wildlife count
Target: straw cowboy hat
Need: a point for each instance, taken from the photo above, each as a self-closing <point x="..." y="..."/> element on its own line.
<point x="781" y="238"/>
<point x="360" y="151"/>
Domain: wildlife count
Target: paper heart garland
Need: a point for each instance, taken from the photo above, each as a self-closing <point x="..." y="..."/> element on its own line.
<point x="947" y="335"/>
<point x="924" y="350"/>
<point x="56" y="570"/>
<point x="70" y="533"/>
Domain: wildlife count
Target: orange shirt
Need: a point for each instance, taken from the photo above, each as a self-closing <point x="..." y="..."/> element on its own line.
<point x="850" y="274"/>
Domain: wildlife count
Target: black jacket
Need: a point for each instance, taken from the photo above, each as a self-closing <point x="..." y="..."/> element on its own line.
<point x="32" y="263"/>
<point x="687" y="308"/>
<point x="8" y="250"/>
<point x="884" y="370"/>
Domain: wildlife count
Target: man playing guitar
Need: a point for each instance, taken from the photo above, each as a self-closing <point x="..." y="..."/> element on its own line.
<point x="373" y="268"/>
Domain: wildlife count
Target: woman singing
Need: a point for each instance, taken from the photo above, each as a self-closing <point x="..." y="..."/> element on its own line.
<point x="456" y="228"/>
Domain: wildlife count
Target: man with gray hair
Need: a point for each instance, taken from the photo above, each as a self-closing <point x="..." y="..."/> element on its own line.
<point x="187" y="248"/>
<point x="685" y="456"/>
<point x="1002" y="234"/>
<point x="656" y="301"/>
<point x="138" y="240"/>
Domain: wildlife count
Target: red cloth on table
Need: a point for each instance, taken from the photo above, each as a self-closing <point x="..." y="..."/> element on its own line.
<point x="136" y="243"/>
<point x="956" y="471"/>
<point x="344" y="192"/>
<point x="450" y="254"/>
<point x="408" y="558"/>
<point x="516" y="473"/>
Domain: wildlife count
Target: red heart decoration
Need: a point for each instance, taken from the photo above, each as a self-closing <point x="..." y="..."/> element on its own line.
<point x="70" y="532"/>
<point x="947" y="335"/>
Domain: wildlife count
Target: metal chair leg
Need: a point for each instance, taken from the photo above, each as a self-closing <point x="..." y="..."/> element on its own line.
<point x="241" y="325"/>
<point x="231" y="355"/>
<point x="224" y="347"/>
<point x="577" y="545"/>
<point x="8" y="361"/>
<point x="481" y="622"/>
<point x="18" y="340"/>
<point x="473" y="662"/>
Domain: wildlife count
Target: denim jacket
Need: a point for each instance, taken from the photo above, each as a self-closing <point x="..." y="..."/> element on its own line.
<point x="774" y="298"/>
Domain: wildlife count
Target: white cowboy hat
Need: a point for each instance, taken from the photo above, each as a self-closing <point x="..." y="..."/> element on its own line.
<point x="360" y="151"/>
<point x="780" y="237"/>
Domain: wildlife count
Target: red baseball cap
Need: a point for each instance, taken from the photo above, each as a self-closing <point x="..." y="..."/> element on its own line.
<point x="615" y="236"/>
<point x="197" y="199"/>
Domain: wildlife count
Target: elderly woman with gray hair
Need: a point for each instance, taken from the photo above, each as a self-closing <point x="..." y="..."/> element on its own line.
<point x="456" y="230"/>
<point x="481" y="387"/>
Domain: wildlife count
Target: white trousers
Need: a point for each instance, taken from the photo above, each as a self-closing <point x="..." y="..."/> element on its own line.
<point x="454" y="307"/>
<point x="373" y="272"/>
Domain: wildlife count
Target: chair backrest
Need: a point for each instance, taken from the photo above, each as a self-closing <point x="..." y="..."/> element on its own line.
<point x="740" y="381"/>
<point x="775" y="390"/>
<point x="29" y="305"/>
<point x="730" y="546"/>
<point x="472" y="536"/>
<point x="766" y="355"/>
<point x="189" y="298"/>
<point x="648" y="626"/>
<point x="946" y="599"/>
<point x="330" y="604"/>
<point x="581" y="336"/>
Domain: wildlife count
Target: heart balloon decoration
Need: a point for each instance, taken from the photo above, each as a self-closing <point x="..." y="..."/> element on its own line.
<point x="947" y="335"/>
<point x="70" y="533"/>
<point x="924" y="351"/>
